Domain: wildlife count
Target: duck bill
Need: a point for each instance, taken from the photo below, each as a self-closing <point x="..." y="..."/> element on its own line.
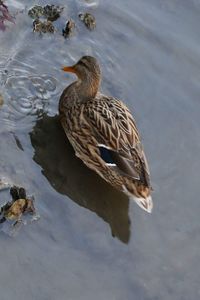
<point x="70" y="69"/>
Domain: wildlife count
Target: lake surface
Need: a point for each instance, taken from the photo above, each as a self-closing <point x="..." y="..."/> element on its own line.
<point x="91" y="242"/>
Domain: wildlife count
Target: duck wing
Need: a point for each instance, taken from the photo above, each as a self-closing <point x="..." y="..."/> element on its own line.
<point x="117" y="137"/>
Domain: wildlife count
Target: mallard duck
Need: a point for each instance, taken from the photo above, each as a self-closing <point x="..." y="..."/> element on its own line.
<point x="103" y="133"/>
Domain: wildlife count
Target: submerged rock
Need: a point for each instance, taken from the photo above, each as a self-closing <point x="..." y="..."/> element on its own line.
<point x="43" y="27"/>
<point x="44" y="16"/>
<point x="88" y="20"/>
<point x="19" y="205"/>
<point x="69" y="29"/>
<point x="36" y="12"/>
<point x="1" y="100"/>
<point x="50" y="12"/>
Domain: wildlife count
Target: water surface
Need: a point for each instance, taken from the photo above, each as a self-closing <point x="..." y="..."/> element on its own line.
<point x="91" y="242"/>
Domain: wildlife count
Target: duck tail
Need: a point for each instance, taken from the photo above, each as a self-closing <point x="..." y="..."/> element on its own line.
<point x="144" y="203"/>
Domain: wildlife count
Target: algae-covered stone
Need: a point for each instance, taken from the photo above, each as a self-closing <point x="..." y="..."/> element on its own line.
<point x="88" y="20"/>
<point x="20" y="204"/>
<point x="43" y="27"/>
<point x="69" y="29"/>
<point x="52" y="12"/>
<point x="1" y="100"/>
<point x="36" y="12"/>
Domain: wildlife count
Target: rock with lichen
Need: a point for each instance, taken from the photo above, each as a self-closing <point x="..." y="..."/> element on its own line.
<point x="69" y="29"/>
<point x="88" y="20"/>
<point x="1" y="100"/>
<point x="14" y="210"/>
<point x="43" y="27"/>
<point x="52" y="12"/>
<point x="44" y="16"/>
<point x="36" y="12"/>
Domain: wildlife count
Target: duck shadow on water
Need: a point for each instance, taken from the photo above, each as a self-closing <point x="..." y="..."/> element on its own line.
<point x="69" y="176"/>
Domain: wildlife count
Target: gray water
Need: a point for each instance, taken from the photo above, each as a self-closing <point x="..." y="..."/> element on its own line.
<point x="91" y="242"/>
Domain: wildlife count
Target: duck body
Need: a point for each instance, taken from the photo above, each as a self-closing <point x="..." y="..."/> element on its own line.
<point x="103" y="134"/>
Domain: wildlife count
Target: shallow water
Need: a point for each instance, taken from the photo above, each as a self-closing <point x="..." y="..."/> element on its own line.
<point x="91" y="242"/>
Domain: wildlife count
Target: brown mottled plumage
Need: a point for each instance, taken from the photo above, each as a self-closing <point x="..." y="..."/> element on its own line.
<point x="103" y="133"/>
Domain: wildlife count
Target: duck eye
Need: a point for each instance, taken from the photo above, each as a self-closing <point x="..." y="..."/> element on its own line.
<point x="82" y="63"/>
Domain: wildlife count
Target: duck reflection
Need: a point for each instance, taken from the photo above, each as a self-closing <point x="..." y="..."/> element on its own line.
<point x="68" y="175"/>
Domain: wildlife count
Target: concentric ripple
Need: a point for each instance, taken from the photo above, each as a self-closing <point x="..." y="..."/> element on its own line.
<point x="27" y="98"/>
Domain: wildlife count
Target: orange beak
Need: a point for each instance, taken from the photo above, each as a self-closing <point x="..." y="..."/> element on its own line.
<point x="70" y="69"/>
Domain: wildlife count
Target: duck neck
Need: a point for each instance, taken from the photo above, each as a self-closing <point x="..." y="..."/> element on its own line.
<point x="87" y="88"/>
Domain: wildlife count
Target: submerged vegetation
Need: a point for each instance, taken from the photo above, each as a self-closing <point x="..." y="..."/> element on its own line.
<point x="5" y="16"/>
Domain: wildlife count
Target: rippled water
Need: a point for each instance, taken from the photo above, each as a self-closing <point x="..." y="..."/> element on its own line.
<point x="91" y="242"/>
